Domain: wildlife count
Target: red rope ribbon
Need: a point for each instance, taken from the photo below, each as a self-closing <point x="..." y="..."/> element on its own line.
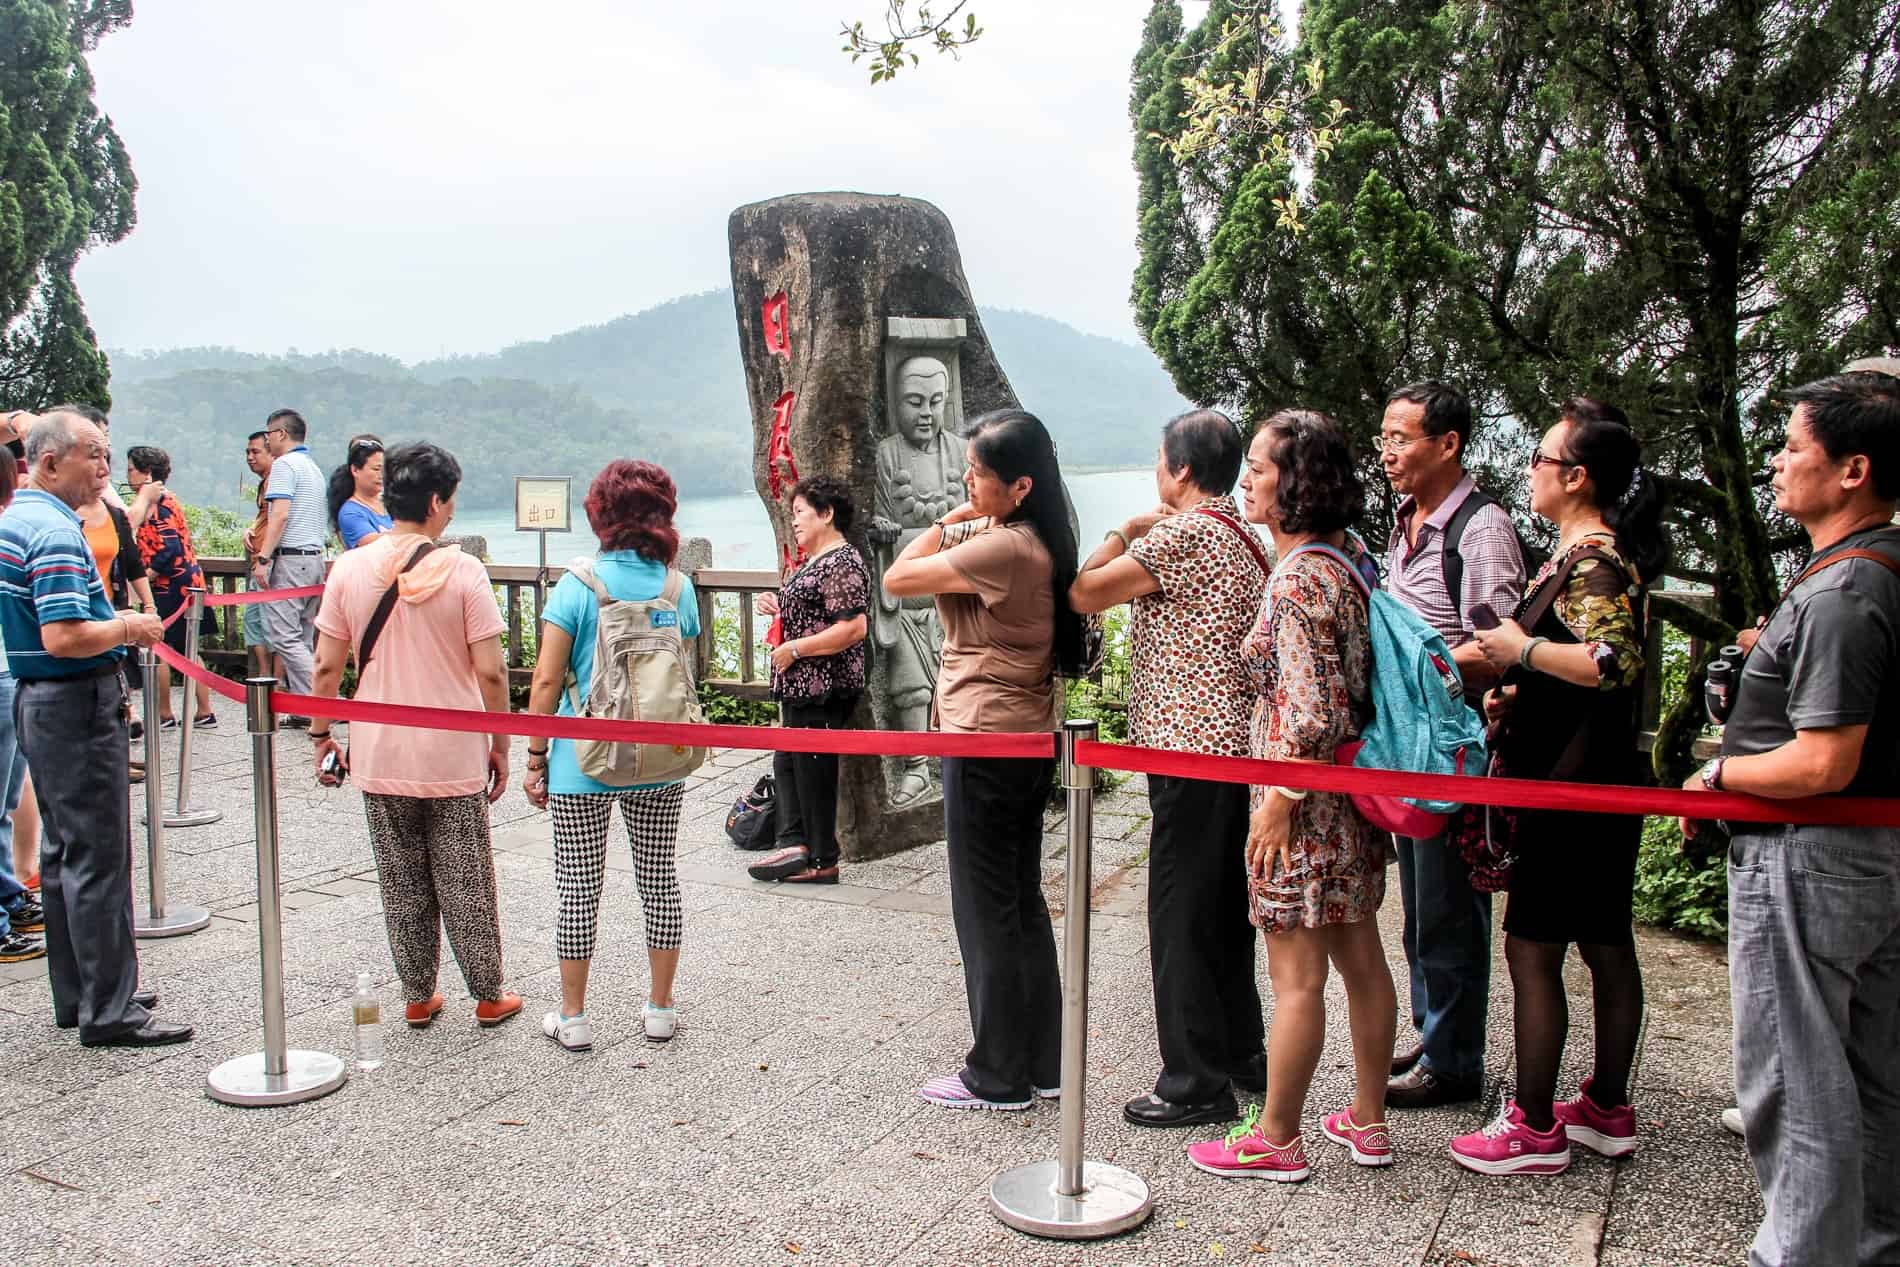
<point x="261" y="596"/>
<point x="1845" y="811"/>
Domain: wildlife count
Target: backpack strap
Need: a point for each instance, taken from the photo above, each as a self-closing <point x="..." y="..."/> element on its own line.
<point x="1336" y="555"/>
<point x="1450" y="561"/>
<point x="383" y="609"/>
<point x="1252" y="542"/>
<point x="583" y="567"/>
<point x="672" y="588"/>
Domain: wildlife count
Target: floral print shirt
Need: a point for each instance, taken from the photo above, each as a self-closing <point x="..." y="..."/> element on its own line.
<point x="834" y="586"/>
<point x="164" y="542"/>
<point x="1599" y="607"/>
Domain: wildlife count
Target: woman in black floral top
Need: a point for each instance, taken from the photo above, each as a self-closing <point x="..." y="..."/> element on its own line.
<point x="817" y="677"/>
<point x="1567" y="710"/>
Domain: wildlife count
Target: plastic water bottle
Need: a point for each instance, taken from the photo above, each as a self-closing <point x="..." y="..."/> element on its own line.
<point x="367" y="1011"/>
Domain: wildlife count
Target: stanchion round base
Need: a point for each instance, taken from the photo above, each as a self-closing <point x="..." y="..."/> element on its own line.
<point x="1112" y="1200"/>
<point x="307" y="1075"/>
<point x="176" y="921"/>
<point x="193" y="818"/>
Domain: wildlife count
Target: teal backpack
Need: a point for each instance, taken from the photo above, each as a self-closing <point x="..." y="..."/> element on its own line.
<point x="1420" y="722"/>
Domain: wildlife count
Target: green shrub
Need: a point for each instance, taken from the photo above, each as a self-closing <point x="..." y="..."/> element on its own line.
<point x="722" y="709"/>
<point x="1685" y="890"/>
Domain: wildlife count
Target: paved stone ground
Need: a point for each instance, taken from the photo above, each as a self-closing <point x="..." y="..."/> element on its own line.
<point x="780" y="1126"/>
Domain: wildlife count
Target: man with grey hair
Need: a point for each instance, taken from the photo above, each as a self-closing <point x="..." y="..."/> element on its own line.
<point x="65" y="646"/>
<point x="290" y="549"/>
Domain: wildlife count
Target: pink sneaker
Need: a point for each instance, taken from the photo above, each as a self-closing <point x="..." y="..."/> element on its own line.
<point x="1606" y="1132"/>
<point x="1369" y="1145"/>
<point x="1246" y="1154"/>
<point x="1509" y="1146"/>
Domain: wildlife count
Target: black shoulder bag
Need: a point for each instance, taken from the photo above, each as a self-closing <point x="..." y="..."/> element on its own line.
<point x="383" y="609"/>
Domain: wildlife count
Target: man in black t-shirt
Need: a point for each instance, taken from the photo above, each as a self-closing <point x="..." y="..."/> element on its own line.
<point x="1814" y="912"/>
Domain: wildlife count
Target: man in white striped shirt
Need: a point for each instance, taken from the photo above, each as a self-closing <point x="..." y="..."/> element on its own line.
<point x="1452" y="549"/>
<point x="290" y="548"/>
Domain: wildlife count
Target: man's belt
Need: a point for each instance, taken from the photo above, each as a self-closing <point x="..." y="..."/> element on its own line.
<point x="282" y="550"/>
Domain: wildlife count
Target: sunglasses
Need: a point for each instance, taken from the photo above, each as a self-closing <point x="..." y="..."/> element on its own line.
<point x="366" y="447"/>
<point x="1541" y="458"/>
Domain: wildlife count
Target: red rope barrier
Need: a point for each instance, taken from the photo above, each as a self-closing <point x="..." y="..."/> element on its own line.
<point x="1845" y="811"/>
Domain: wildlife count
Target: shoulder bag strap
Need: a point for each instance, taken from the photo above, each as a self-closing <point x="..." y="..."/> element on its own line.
<point x="1451" y="562"/>
<point x="383" y="610"/>
<point x="1546" y="594"/>
<point x="1246" y="536"/>
<point x="1872" y="556"/>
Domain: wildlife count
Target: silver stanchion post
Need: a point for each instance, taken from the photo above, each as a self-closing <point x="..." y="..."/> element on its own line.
<point x="1070" y="1198"/>
<point x="183" y="815"/>
<point x="160" y="918"/>
<point x="275" y="1075"/>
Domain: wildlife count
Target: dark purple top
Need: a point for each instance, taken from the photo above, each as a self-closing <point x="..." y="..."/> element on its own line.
<point x="834" y="586"/>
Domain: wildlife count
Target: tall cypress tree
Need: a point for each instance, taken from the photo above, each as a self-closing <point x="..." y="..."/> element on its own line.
<point x="66" y="185"/>
<point x="1679" y="206"/>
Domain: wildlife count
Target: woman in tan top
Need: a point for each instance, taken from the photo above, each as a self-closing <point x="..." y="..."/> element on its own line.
<point x="1000" y="566"/>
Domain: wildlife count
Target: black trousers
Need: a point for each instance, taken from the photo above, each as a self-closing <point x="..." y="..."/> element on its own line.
<point x="1200" y="942"/>
<point x="992" y="811"/>
<point x="808" y="781"/>
<point x="74" y="737"/>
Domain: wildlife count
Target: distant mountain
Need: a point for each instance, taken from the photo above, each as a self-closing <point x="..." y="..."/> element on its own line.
<point x="665" y="383"/>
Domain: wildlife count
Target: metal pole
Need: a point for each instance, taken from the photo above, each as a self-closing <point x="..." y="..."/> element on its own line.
<point x="275" y="1075"/>
<point x="1071" y="1198"/>
<point x="540" y="587"/>
<point x="182" y="814"/>
<point x="159" y="918"/>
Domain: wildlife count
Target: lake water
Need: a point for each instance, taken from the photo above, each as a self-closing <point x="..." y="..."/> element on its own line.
<point x="742" y="535"/>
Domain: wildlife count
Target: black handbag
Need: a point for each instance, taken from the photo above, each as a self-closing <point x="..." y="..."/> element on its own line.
<point x="753" y="822"/>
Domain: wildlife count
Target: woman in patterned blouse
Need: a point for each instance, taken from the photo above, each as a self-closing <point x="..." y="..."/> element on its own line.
<point x="171" y="565"/>
<point x="817" y="677"/>
<point x="1316" y="867"/>
<point x="1567" y="709"/>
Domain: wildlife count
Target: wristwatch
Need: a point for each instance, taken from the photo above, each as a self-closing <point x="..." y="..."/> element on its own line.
<point x="1712" y="774"/>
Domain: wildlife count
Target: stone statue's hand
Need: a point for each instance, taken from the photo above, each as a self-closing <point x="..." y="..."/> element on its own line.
<point x="883" y="532"/>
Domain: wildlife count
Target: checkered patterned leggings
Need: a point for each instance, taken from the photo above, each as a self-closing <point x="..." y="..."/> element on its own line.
<point x="581" y="821"/>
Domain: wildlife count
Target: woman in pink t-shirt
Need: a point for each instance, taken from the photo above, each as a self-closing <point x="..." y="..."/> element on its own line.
<point x="426" y="794"/>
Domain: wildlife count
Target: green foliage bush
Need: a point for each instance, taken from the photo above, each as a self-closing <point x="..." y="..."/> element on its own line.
<point x="1681" y="889"/>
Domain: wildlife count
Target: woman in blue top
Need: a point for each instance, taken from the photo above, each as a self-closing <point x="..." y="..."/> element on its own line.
<point x="630" y="508"/>
<point x="356" y="494"/>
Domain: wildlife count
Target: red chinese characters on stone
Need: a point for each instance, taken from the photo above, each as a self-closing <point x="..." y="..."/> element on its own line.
<point x="778" y="333"/>
<point x="779" y="448"/>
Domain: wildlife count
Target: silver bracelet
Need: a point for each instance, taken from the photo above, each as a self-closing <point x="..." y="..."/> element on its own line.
<point x="1524" y="655"/>
<point x="792" y="646"/>
<point x="1120" y="536"/>
<point x="1291" y="794"/>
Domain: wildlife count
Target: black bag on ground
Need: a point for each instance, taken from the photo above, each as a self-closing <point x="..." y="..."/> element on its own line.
<point x="753" y="822"/>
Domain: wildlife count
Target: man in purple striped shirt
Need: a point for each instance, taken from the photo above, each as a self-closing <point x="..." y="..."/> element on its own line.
<point x="1447" y="935"/>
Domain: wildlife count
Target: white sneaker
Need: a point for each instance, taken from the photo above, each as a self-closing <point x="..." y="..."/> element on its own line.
<point x="660" y="1021"/>
<point x="1048" y="1093"/>
<point x="576" y="1033"/>
<point x="1732" y="1121"/>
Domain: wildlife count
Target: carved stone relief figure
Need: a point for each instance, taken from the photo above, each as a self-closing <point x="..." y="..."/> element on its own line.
<point x="920" y="468"/>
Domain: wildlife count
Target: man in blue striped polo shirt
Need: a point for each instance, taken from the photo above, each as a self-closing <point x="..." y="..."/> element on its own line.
<point x="65" y="644"/>
<point x="290" y="549"/>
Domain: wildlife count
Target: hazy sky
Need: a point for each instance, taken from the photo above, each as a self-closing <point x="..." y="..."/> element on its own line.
<point x="428" y="176"/>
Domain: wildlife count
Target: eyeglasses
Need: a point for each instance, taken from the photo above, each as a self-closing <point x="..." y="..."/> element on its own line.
<point x="1541" y="458"/>
<point x="1398" y="444"/>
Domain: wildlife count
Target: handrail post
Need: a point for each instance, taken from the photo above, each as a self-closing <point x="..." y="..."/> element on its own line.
<point x="1071" y="1198"/>
<point x="276" y="1075"/>
<point x="160" y="918"/>
<point x="182" y="814"/>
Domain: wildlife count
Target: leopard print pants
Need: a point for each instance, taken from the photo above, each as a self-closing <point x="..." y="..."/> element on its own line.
<point x="437" y="867"/>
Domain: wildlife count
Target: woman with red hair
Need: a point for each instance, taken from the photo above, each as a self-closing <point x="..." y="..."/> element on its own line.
<point x="630" y="507"/>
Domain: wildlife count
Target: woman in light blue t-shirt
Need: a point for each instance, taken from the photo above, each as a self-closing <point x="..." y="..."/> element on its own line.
<point x="356" y="495"/>
<point x="630" y="508"/>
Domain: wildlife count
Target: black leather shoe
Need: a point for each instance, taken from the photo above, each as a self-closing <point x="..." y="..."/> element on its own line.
<point x="147" y="999"/>
<point x="150" y="1034"/>
<point x="1404" y="1060"/>
<point x="1420" y="1088"/>
<point x="1152" y="1110"/>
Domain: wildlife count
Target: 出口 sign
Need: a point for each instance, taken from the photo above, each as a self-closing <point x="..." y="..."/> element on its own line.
<point x="543" y="505"/>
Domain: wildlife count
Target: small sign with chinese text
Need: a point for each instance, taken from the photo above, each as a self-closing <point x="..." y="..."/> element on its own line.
<point x="542" y="505"/>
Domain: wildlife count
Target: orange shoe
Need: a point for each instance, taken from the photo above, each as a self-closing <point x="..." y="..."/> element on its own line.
<point x="495" y="1011"/>
<point x="419" y="1015"/>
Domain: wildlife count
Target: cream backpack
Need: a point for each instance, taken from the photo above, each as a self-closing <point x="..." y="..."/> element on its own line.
<point x="641" y="673"/>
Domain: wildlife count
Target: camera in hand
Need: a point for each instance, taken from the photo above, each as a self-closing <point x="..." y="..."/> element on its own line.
<point x="1718" y="688"/>
<point x="332" y="771"/>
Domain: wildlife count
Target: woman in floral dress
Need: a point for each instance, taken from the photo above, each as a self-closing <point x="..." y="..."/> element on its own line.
<point x="1316" y="866"/>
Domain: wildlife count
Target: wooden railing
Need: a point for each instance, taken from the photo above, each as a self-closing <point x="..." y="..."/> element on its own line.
<point x="739" y="670"/>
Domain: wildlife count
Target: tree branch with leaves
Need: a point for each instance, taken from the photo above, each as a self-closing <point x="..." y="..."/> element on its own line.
<point x="906" y="32"/>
